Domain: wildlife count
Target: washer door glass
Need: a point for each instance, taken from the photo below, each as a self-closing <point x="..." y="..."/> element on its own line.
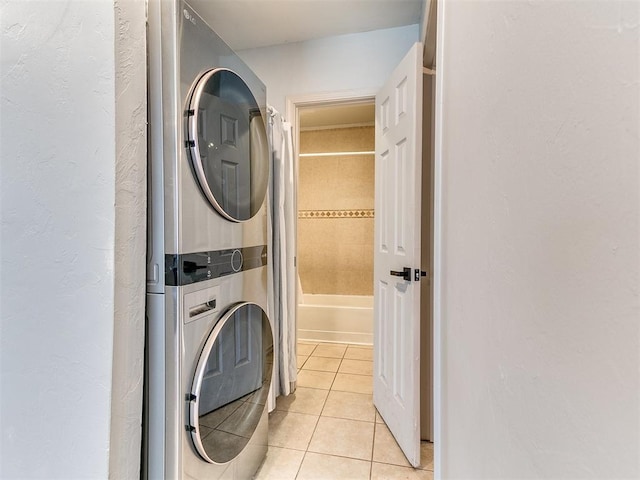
<point x="231" y="383"/>
<point x="227" y="142"/>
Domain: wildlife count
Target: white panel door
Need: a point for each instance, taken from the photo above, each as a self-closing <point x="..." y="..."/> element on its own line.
<point x="396" y="384"/>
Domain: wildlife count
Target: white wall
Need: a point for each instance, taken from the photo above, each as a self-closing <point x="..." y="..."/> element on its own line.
<point x="130" y="238"/>
<point x="541" y="239"/>
<point x="58" y="229"/>
<point x="357" y="61"/>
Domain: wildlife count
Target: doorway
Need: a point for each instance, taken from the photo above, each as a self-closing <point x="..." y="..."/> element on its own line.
<point x="336" y="192"/>
<point x="297" y="108"/>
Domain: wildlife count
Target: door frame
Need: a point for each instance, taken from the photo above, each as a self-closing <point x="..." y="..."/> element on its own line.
<point x="293" y="104"/>
<point x="297" y="102"/>
<point x="437" y="274"/>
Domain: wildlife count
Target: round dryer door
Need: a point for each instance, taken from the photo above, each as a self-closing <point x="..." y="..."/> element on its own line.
<point x="231" y="383"/>
<point x="227" y="142"/>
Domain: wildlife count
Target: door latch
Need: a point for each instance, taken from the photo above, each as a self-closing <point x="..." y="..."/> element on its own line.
<point x="419" y="273"/>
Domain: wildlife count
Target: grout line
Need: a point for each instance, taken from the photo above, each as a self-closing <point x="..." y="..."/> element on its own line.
<point x="303" y="362"/>
<point x="335" y="375"/>
<point x="315" y="428"/>
<point x="340" y="364"/>
<point x="316" y="370"/>
<point x="316" y="388"/>
<point x="324" y="403"/>
<point x="340" y="456"/>
<point x="304" y="455"/>
<point x="373" y="446"/>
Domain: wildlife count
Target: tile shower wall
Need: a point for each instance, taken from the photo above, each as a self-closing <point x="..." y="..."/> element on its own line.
<point x="335" y="212"/>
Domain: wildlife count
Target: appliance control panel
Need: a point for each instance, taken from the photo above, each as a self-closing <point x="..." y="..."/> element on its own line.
<point x="189" y="268"/>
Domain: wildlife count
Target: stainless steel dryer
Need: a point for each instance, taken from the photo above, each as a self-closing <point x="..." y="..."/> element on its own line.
<point x="208" y="373"/>
<point x="209" y="342"/>
<point x="208" y="128"/>
<point x="217" y="426"/>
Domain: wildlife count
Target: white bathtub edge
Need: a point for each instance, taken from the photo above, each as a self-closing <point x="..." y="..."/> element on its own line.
<point x="335" y="337"/>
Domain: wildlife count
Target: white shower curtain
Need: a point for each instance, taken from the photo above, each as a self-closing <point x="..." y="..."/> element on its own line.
<point x="281" y="277"/>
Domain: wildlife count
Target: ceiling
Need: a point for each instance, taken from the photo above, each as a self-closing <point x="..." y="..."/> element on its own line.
<point x="260" y="23"/>
<point x="337" y="115"/>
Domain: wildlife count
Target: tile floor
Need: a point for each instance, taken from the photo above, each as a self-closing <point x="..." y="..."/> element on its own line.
<point x="329" y="428"/>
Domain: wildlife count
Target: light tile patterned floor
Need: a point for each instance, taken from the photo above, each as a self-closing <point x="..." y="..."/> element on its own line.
<point x="329" y="429"/>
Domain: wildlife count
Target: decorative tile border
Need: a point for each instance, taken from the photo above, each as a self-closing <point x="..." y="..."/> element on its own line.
<point x="362" y="213"/>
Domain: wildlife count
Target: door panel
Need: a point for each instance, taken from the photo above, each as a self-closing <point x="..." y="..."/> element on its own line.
<point x="397" y="234"/>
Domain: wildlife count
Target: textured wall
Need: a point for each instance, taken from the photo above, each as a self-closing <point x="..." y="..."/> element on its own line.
<point x="335" y="201"/>
<point x="357" y="61"/>
<point x="57" y="194"/>
<point x="540" y="105"/>
<point x="130" y="238"/>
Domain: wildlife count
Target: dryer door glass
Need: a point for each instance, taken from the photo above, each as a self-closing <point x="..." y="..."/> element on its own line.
<point x="227" y="143"/>
<point x="231" y="383"/>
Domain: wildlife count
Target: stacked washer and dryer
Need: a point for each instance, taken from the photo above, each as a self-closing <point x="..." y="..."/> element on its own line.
<point x="209" y="351"/>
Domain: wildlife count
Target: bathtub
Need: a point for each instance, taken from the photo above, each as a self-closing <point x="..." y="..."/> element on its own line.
<point x="336" y="318"/>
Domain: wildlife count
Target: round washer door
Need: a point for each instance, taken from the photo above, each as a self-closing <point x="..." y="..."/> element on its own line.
<point x="227" y="143"/>
<point x="231" y="383"/>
